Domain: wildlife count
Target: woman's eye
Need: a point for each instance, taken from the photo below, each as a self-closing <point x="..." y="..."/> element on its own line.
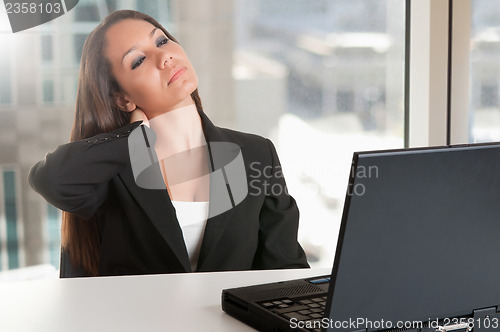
<point x="138" y="62"/>
<point x="161" y="41"/>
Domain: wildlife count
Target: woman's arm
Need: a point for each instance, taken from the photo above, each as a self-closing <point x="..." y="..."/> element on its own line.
<point x="75" y="176"/>
<point x="279" y="222"/>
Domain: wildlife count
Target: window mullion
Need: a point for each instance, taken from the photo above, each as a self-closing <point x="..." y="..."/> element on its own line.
<point x="428" y="73"/>
<point x="460" y="71"/>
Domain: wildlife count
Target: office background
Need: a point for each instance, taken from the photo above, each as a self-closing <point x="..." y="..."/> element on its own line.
<point x="321" y="78"/>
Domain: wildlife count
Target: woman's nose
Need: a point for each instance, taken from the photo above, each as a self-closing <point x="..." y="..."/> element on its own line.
<point x="165" y="61"/>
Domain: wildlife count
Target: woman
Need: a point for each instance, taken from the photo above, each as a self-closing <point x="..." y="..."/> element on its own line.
<point x="127" y="214"/>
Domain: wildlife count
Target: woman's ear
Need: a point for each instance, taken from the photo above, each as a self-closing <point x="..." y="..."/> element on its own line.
<point x="124" y="103"/>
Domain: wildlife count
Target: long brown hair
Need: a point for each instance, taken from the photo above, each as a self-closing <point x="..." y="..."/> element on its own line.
<point x="97" y="112"/>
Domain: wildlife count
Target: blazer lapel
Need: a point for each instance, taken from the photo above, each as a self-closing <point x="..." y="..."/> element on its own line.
<point x="158" y="206"/>
<point x="213" y="232"/>
<point x="215" y="225"/>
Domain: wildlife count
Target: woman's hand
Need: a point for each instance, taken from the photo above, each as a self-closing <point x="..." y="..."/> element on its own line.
<point x="138" y="115"/>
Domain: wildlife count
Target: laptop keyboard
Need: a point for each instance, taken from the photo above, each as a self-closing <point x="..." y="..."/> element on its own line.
<point x="309" y="309"/>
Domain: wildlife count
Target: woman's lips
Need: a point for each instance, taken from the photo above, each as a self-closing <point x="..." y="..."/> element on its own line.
<point x="177" y="73"/>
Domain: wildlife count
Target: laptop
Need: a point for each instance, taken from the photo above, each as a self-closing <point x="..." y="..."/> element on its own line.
<point x="418" y="250"/>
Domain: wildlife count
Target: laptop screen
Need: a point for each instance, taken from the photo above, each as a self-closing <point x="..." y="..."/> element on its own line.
<point x="420" y="237"/>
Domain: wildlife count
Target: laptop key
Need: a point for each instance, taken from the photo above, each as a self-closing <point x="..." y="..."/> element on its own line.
<point x="289" y="309"/>
<point x="305" y="312"/>
<point x="316" y="310"/>
<point x="267" y="304"/>
<point x="295" y="315"/>
<point x="305" y="301"/>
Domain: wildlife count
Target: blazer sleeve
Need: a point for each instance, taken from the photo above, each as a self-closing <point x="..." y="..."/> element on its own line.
<point x="75" y="176"/>
<point x="279" y="221"/>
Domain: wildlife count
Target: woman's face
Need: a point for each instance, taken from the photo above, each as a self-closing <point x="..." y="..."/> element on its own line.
<point x="152" y="70"/>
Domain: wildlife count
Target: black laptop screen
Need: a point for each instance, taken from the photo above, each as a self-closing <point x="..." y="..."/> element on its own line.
<point x="420" y="237"/>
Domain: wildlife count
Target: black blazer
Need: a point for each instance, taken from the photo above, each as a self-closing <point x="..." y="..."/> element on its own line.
<point x="138" y="228"/>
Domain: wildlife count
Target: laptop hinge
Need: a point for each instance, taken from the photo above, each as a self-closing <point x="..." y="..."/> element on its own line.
<point x="486" y="320"/>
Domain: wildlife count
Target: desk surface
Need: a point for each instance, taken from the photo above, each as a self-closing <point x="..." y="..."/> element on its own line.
<point x="169" y="302"/>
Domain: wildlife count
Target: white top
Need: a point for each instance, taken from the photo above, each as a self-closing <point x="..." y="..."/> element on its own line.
<point x="192" y="218"/>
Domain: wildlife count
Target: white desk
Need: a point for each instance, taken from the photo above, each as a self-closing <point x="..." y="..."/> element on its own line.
<point x="169" y="302"/>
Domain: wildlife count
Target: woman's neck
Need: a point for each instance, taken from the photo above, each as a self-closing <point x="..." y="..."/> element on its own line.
<point x="177" y="130"/>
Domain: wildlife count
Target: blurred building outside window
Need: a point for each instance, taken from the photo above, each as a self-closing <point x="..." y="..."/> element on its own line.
<point x="485" y="71"/>
<point x="322" y="79"/>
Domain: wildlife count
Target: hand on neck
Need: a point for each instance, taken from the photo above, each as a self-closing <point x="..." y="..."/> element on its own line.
<point x="177" y="130"/>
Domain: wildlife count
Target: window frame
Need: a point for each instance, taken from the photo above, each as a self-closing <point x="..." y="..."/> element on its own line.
<point x="439" y="75"/>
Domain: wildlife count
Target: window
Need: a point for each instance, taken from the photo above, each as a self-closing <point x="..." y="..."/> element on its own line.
<point x="9" y="217"/>
<point x="5" y="88"/>
<point x="489" y="95"/>
<point x="320" y="78"/>
<point x="47" y="53"/>
<point x="345" y="101"/>
<point x="149" y="7"/>
<point x="48" y="91"/>
<point x="343" y="91"/>
<point x="51" y="76"/>
<point x="54" y="234"/>
<point x="78" y="41"/>
<point x="485" y="71"/>
<point x="87" y="12"/>
<point x="6" y="79"/>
